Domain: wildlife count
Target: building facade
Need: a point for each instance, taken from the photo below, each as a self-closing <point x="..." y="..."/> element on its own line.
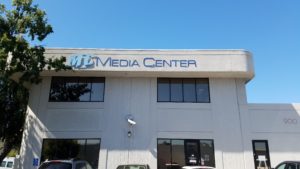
<point x="164" y="108"/>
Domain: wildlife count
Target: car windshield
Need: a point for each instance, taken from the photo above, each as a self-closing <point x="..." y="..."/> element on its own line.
<point x="56" y="165"/>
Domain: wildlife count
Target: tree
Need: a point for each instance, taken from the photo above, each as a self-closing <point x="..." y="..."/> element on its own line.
<point x="20" y="27"/>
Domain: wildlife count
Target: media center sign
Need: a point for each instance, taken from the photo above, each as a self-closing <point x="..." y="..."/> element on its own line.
<point x="87" y="61"/>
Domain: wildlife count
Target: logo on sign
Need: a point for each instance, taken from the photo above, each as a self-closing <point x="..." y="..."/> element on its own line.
<point x="85" y="61"/>
<point x="82" y="61"/>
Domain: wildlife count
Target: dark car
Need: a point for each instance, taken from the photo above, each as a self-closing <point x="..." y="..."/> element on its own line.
<point x="288" y="165"/>
<point x="134" y="166"/>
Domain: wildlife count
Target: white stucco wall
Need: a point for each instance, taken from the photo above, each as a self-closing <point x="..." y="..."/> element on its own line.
<point x="229" y="120"/>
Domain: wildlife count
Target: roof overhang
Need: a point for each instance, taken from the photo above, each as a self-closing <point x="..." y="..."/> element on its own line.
<point x="155" y="63"/>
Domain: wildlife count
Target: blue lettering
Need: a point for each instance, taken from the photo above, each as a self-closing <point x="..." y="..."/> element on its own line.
<point x="149" y="62"/>
<point x="192" y="62"/>
<point x="135" y="63"/>
<point x="103" y="63"/>
<point x="159" y="63"/>
<point x="114" y="63"/>
<point x="175" y="62"/>
<point x="183" y="63"/>
<point x="124" y="63"/>
<point x="167" y="63"/>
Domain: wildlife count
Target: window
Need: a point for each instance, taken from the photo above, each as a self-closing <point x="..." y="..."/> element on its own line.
<point x="3" y="164"/>
<point x="59" y="149"/>
<point x="176" y="153"/>
<point x="77" y="89"/>
<point x="9" y="164"/>
<point x="282" y="166"/>
<point x="183" y="90"/>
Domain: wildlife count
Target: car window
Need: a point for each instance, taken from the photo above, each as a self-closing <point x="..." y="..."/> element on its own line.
<point x="291" y="166"/>
<point x="80" y="166"/>
<point x="3" y="164"/>
<point x="120" y="167"/>
<point x="56" y="165"/>
<point x="281" y="166"/>
<point x="9" y="164"/>
<point x="88" y="166"/>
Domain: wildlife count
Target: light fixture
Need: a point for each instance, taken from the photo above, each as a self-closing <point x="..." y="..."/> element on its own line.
<point x="129" y="133"/>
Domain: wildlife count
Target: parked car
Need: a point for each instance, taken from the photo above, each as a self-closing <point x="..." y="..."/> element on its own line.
<point x="8" y="162"/>
<point x="134" y="166"/>
<point x="65" y="164"/>
<point x="288" y="165"/>
<point x="197" y="167"/>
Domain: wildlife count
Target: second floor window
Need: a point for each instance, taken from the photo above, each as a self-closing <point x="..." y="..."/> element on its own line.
<point x="193" y="90"/>
<point x="77" y="89"/>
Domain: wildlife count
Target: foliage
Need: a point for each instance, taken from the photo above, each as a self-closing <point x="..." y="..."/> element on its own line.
<point x="60" y="149"/>
<point x="20" y="27"/>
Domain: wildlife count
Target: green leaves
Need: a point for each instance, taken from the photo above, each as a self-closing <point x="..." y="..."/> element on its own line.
<point x="20" y="26"/>
<point x="23" y="24"/>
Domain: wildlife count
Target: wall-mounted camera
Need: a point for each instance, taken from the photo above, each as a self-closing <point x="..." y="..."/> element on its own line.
<point x="131" y="122"/>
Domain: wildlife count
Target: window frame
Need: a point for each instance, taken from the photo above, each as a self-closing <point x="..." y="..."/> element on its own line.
<point x="187" y="139"/>
<point x="182" y="87"/>
<point x="86" y="139"/>
<point x="78" y="81"/>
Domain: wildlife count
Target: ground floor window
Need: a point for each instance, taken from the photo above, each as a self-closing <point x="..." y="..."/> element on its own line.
<point x="261" y="154"/>
<point x="176" y="153"/>
<point x="85" y="149"/>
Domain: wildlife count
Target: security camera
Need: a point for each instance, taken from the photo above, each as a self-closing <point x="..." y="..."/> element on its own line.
<point x="131" y="122"/>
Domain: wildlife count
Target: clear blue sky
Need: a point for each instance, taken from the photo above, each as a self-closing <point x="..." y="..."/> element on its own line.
<point x="270" y="29"/>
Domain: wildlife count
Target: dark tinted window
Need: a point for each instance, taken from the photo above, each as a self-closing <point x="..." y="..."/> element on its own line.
<point x="85" y="149"/>
<point x="56" y="165"/>
<point x="189" y="89"/>
<point x="176" y="153"/>
<point x="183" y="90"/>
<point x="9" y="164"/>
<point x="163" y="90"/>
<point x="202" y="90"/>
<point x="207" y="153"/>
<point x="291" y="166"/>
<point x="164" y="153"/>
<point x="3" y="164"/>
<point x="176" y="90"/>
<point x="77" y="89"/>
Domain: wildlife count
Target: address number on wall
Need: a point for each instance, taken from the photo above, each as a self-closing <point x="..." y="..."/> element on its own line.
<point x="290" y="121"/>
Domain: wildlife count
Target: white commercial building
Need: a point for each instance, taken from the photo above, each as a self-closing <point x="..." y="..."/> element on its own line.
<point x="164" y="108"/>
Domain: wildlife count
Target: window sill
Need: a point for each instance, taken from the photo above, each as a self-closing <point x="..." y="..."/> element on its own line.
<point x="170" y="105"/>
<point x="77" y="105"/>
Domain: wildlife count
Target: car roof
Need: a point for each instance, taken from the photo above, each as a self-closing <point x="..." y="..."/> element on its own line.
<point x="132" y="164"/>
<point x="291" y="162"/>
<point x="195" y="167"/>
<point x="64" y="161"/>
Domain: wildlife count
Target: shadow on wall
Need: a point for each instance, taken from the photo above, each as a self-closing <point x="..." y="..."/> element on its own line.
<point x="31" y="142"/>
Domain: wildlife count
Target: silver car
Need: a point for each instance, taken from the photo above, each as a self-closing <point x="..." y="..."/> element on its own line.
<point x="65" y="164"/>
<point x="134" y="166"/>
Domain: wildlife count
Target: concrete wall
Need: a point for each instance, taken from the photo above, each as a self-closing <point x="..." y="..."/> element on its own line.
<point x="228" y="120"/>
<point x="280" y="125"/>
